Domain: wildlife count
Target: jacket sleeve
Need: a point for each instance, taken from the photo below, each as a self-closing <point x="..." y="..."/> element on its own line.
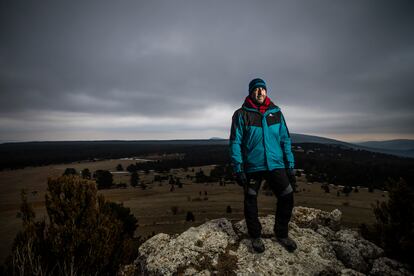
<point x="236" y="138"/>
<point x="286" y="144"/>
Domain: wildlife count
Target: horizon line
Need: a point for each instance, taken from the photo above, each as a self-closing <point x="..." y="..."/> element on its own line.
<point x="189" y="139"/>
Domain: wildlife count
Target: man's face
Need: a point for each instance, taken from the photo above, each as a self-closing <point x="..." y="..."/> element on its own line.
<point x="258" y="95"/>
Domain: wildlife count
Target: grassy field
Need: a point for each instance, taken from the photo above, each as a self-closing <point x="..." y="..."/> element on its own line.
<point x="153" y="206"/>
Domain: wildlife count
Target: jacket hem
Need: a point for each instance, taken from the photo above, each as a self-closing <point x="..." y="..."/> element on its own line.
<point x="264" y="168"/>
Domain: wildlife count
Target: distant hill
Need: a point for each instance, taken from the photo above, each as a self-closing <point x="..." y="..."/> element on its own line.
<point x="403" y="148"/>
<point x="399" y="144"/>
<point x="304" y="138"/>
<point x="217" y="138"/>
<point x="9" y="141"/>
<point x="296" y="139"/>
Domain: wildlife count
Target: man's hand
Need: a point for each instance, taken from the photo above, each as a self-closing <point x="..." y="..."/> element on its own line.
<point x="291" y="176"/>
<point x="241" y="179"/>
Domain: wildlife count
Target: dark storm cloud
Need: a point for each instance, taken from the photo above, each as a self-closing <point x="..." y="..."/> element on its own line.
<point x="175" y="59"/>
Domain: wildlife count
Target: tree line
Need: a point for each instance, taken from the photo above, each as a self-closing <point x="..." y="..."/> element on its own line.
<point x="334" y="164"/>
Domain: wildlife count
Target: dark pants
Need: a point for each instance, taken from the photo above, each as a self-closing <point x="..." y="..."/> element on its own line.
<point x="278" y="181"/>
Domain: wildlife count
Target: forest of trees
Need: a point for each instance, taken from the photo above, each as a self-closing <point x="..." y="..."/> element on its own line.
<point x="329" y="163"/>
<point x="20" y="155"/>
<point x="347" y="167"/>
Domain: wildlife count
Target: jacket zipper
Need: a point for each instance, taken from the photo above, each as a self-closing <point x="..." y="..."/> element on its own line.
<point x="263" y="139"/>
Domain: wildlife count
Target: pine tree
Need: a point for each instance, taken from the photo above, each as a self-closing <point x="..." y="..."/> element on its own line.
<point x="104" y="179"/>
<point x="84" y="234"/>
<point x="134" y="179"/>
<point x="189" y="216"/>
<point x="395" y="220"/>
<point x="86" y="174"/>
<point x="394" y="227"/>
<point x="69" y="171"/>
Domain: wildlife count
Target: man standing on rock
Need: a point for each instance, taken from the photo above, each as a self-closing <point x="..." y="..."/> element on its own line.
<point x="260" y="148"/>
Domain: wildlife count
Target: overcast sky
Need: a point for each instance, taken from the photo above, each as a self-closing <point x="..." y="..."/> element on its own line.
<point x="179" y="69"/>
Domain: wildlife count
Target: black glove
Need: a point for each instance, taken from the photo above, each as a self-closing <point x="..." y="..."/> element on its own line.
<point x="291" y="176"/>
<point x="241" y="179"/>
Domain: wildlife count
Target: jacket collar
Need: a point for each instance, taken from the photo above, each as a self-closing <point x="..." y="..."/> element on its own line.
<point x="266" y="108"/>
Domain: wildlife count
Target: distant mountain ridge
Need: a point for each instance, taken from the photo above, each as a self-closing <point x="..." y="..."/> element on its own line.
<point x="304" y="138"/>
<point x="398" y="147"/>
<point x="402" y="148"/>
<point x="398" y="144"/>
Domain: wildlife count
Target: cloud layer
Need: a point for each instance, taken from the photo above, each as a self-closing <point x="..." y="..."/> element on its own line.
<point x="179" y="69"/>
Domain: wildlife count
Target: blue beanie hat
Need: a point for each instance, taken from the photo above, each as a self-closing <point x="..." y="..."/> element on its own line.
<point x="256" y="83"/>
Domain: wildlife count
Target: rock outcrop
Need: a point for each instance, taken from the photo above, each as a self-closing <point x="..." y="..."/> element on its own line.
<point x="219" y="247"/>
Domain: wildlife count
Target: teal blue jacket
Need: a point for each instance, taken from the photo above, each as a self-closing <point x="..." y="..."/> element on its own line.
<point x="260" y="142"/>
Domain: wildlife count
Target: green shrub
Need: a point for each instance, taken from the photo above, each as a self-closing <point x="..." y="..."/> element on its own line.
<point x="104" y="179"/>
<point x="189" y="216"/>
<point x="83" y="235"/>
<point x="69" y="171"/>
<point x="134" y="179"/>
<point x="394" y="227"/>
<point x="86" y="173"/>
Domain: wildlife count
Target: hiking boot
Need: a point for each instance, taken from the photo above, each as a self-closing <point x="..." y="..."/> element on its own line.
<point x="258" y="245"/>
<point x="288" y="243"/>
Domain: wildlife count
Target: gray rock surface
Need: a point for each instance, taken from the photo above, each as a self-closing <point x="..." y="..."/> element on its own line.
<point x="313" y="218"/>
<point x="193" y="250"/>
<point x="387" y="267"/>
<point x="219" y="248"/>
<point x="354" y="251"/>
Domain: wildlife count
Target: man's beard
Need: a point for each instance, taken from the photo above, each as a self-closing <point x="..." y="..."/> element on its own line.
<point x="260" y="103"/>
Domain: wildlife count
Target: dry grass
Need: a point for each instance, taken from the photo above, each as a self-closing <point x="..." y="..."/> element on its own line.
<point x="152" y="206"/>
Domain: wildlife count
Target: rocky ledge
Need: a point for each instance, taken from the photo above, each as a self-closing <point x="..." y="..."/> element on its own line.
<point x="219" y="247"/>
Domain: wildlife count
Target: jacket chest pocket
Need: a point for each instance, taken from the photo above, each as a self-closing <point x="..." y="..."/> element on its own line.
<point x="273" y="118"/>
